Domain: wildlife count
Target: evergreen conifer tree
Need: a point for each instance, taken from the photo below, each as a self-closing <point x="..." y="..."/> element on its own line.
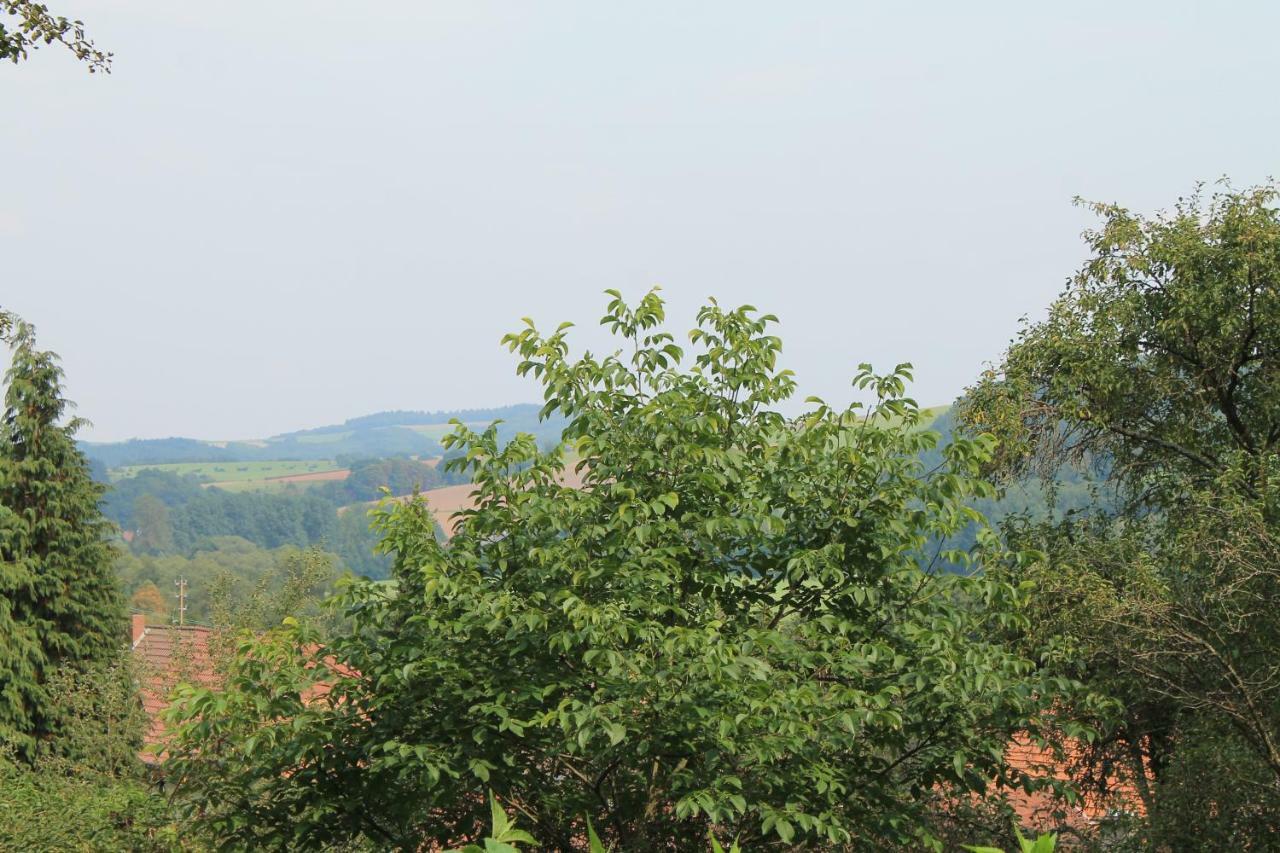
<point x="59" y="606"/>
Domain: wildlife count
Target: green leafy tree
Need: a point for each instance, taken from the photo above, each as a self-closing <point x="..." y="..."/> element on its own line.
<point x="153" y="531"/>
<point x="1160" y="363"/>
<point x="232" y="584"/>
<point x="1159" y="358"/>
<point x="31" y="25"/>
<point x="59" y="606"/>
<point x="734" y="625"/>
<point x="296" y="585"/>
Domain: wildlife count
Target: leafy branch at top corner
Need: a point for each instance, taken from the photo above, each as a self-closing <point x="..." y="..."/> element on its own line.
<point x="36" y="26"/>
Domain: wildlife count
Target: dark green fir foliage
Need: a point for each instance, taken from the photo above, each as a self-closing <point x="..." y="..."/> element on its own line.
<point x="58" y="600"/>
<point x="732" y="627"/>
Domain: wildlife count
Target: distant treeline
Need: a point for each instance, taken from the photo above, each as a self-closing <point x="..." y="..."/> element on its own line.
<point x="388" y="441"/>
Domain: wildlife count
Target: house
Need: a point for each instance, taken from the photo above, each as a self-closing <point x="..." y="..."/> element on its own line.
<point x="165" y="656"/>
<point x="1041" y="810"/>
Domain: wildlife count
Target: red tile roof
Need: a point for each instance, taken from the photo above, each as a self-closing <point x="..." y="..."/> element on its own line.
<point x="1041" y="809"/>
<point x="166" y="656"/>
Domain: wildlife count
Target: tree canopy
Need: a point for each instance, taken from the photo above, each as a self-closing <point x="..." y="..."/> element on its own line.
<point x="735" y="623"/>
<point x="1161" y="354"/>
<point x="1161" y="364"/>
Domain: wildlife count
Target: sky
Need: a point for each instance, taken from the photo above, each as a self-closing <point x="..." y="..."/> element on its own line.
<point x="272" y="216"/>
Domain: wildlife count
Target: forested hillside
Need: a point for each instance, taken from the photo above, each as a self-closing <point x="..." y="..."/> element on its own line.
<point x="1039" y="497"/>
<point x="180" y="503"/>
<point x="169" y="519"/>
<point x="378" y="435"/>
<point x="163" y="516"/>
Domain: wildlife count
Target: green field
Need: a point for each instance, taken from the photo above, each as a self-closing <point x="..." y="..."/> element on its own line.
<point x="438" y="431"/>
<point x="266" y="485"/>
<point x="324" y="437"/>
<point x="232" y="472"/>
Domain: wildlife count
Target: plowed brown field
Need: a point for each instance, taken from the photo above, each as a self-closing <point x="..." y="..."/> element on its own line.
<point x="445" y="502"/>
<point x="339" y="474"/>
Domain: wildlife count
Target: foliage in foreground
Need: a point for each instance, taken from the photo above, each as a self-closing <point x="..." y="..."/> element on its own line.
<point x="70" y="718"/>
<point x="48" y="809"/>
<point x="735" y="625"/>
<point x="505" y="837"/>
<point x="1044" y="843"/>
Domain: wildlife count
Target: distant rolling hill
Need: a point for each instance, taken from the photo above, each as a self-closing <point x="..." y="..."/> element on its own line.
<point x="383" y="434"/>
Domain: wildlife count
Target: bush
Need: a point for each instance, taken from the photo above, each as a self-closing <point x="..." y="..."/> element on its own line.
<point x="59" y="808"/>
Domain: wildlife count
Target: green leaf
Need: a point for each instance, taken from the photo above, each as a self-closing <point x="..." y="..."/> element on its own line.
<point x="492" y="845"/>
<point x="498" y="817"/>
<point x="593" y="839"/>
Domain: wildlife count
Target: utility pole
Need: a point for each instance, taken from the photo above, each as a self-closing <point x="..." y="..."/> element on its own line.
<point x="181" y="584"/>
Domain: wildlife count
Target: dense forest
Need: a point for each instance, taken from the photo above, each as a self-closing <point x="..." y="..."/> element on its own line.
<point x="167" y="516"/>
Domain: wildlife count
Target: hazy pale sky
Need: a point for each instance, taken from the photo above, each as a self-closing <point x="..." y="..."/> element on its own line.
<point x="276" y="215"/>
